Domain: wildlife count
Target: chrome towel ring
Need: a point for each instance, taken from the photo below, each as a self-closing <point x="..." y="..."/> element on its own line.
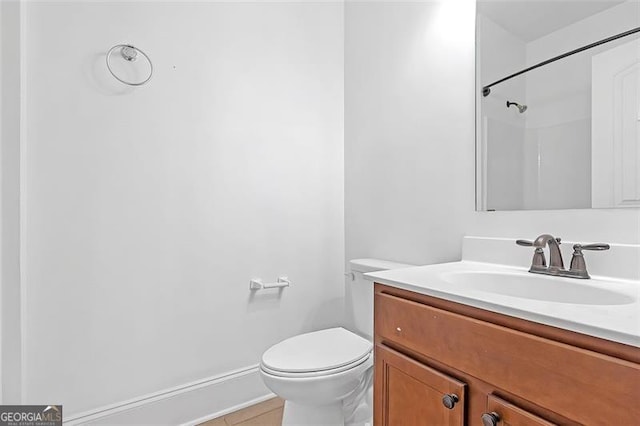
<point x="129" y="53"/>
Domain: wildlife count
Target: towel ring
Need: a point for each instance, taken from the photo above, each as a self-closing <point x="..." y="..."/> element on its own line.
<point x="129" y="53"/>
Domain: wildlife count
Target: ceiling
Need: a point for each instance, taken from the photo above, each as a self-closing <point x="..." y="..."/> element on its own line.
<point x="532" y="19"/>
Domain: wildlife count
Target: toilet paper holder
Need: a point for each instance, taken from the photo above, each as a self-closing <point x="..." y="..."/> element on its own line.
<point x="257" y="284"/>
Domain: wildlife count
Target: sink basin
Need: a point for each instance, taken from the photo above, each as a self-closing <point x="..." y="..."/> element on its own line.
<point x="604" y="307"/>
<point x="535" y="287"/>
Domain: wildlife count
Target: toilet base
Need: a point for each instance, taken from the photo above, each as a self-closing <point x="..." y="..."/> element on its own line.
<point x="306" y="415"/>
<point x="329" y="415"/>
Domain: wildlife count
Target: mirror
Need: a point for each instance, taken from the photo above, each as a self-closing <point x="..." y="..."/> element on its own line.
<point x="564" y="134"/>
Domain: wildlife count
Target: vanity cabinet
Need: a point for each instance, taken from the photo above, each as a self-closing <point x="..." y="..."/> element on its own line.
<point x="503" y="370"/>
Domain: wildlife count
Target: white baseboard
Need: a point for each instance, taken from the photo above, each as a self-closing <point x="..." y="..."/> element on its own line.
<point x="188" y="404"/>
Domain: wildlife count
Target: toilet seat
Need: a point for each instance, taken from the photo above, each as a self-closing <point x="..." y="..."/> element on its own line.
<point x="316" y="373"/>
<point x="319" y="353"/>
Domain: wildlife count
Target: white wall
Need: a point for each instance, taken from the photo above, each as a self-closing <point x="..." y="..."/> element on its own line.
<point x="409" y="133"/>
<point x="409" y="143"/>
<point x="148" y="210"/>
<point x="10" y="354"/>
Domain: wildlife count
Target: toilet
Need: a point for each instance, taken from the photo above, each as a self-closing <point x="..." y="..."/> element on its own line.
<point x="326" y="376"/>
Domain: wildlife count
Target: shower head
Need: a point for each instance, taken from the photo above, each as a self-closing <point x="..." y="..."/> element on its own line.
<point x="521" y="108"/>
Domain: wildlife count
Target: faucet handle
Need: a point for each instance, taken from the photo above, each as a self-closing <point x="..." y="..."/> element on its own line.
<point x="595" y="246"/>
<point x="578" y="266"/>
<point x="538" y="256"/>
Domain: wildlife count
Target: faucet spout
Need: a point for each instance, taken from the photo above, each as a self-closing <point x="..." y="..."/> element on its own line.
<point x="555" y="255"/>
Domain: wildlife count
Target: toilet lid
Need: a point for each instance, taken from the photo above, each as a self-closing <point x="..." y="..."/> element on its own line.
<point x="318" y="351"/>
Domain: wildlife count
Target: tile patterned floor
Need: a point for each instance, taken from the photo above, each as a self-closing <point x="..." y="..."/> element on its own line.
<point x="268" y="413"/>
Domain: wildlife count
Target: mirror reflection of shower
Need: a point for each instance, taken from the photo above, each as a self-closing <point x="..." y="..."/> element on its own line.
<point x="577" y="73"/>
<point x="521" y="108"/>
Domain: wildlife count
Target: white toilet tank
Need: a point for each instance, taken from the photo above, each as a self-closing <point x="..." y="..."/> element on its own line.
<point x="359" y="293"/>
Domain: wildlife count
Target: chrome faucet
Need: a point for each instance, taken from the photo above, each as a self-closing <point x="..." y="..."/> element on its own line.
<point x="578" y="267"/>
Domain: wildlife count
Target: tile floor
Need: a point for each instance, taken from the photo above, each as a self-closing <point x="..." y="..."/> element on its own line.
<point x="267" y="413"/>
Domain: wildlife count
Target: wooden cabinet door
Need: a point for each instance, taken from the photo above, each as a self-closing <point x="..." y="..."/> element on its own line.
<point x="501" y="413"/>
<point x="409" y="393"/>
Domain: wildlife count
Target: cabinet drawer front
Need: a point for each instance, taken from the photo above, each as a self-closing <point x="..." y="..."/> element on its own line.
<point x="510" y="415"/>
<point x="585" y="386"/>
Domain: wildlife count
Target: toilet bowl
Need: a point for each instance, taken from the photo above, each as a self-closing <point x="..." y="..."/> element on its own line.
<point x="325" y="377"/>
<point x="320" y="375"/>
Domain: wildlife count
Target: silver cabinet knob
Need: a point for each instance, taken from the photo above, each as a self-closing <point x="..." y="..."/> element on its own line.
<point x="490" y="419"/>
<point x="449" y="400"/>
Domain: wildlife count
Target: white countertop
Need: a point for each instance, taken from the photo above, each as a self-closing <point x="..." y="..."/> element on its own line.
<point x="619" y="322"/>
